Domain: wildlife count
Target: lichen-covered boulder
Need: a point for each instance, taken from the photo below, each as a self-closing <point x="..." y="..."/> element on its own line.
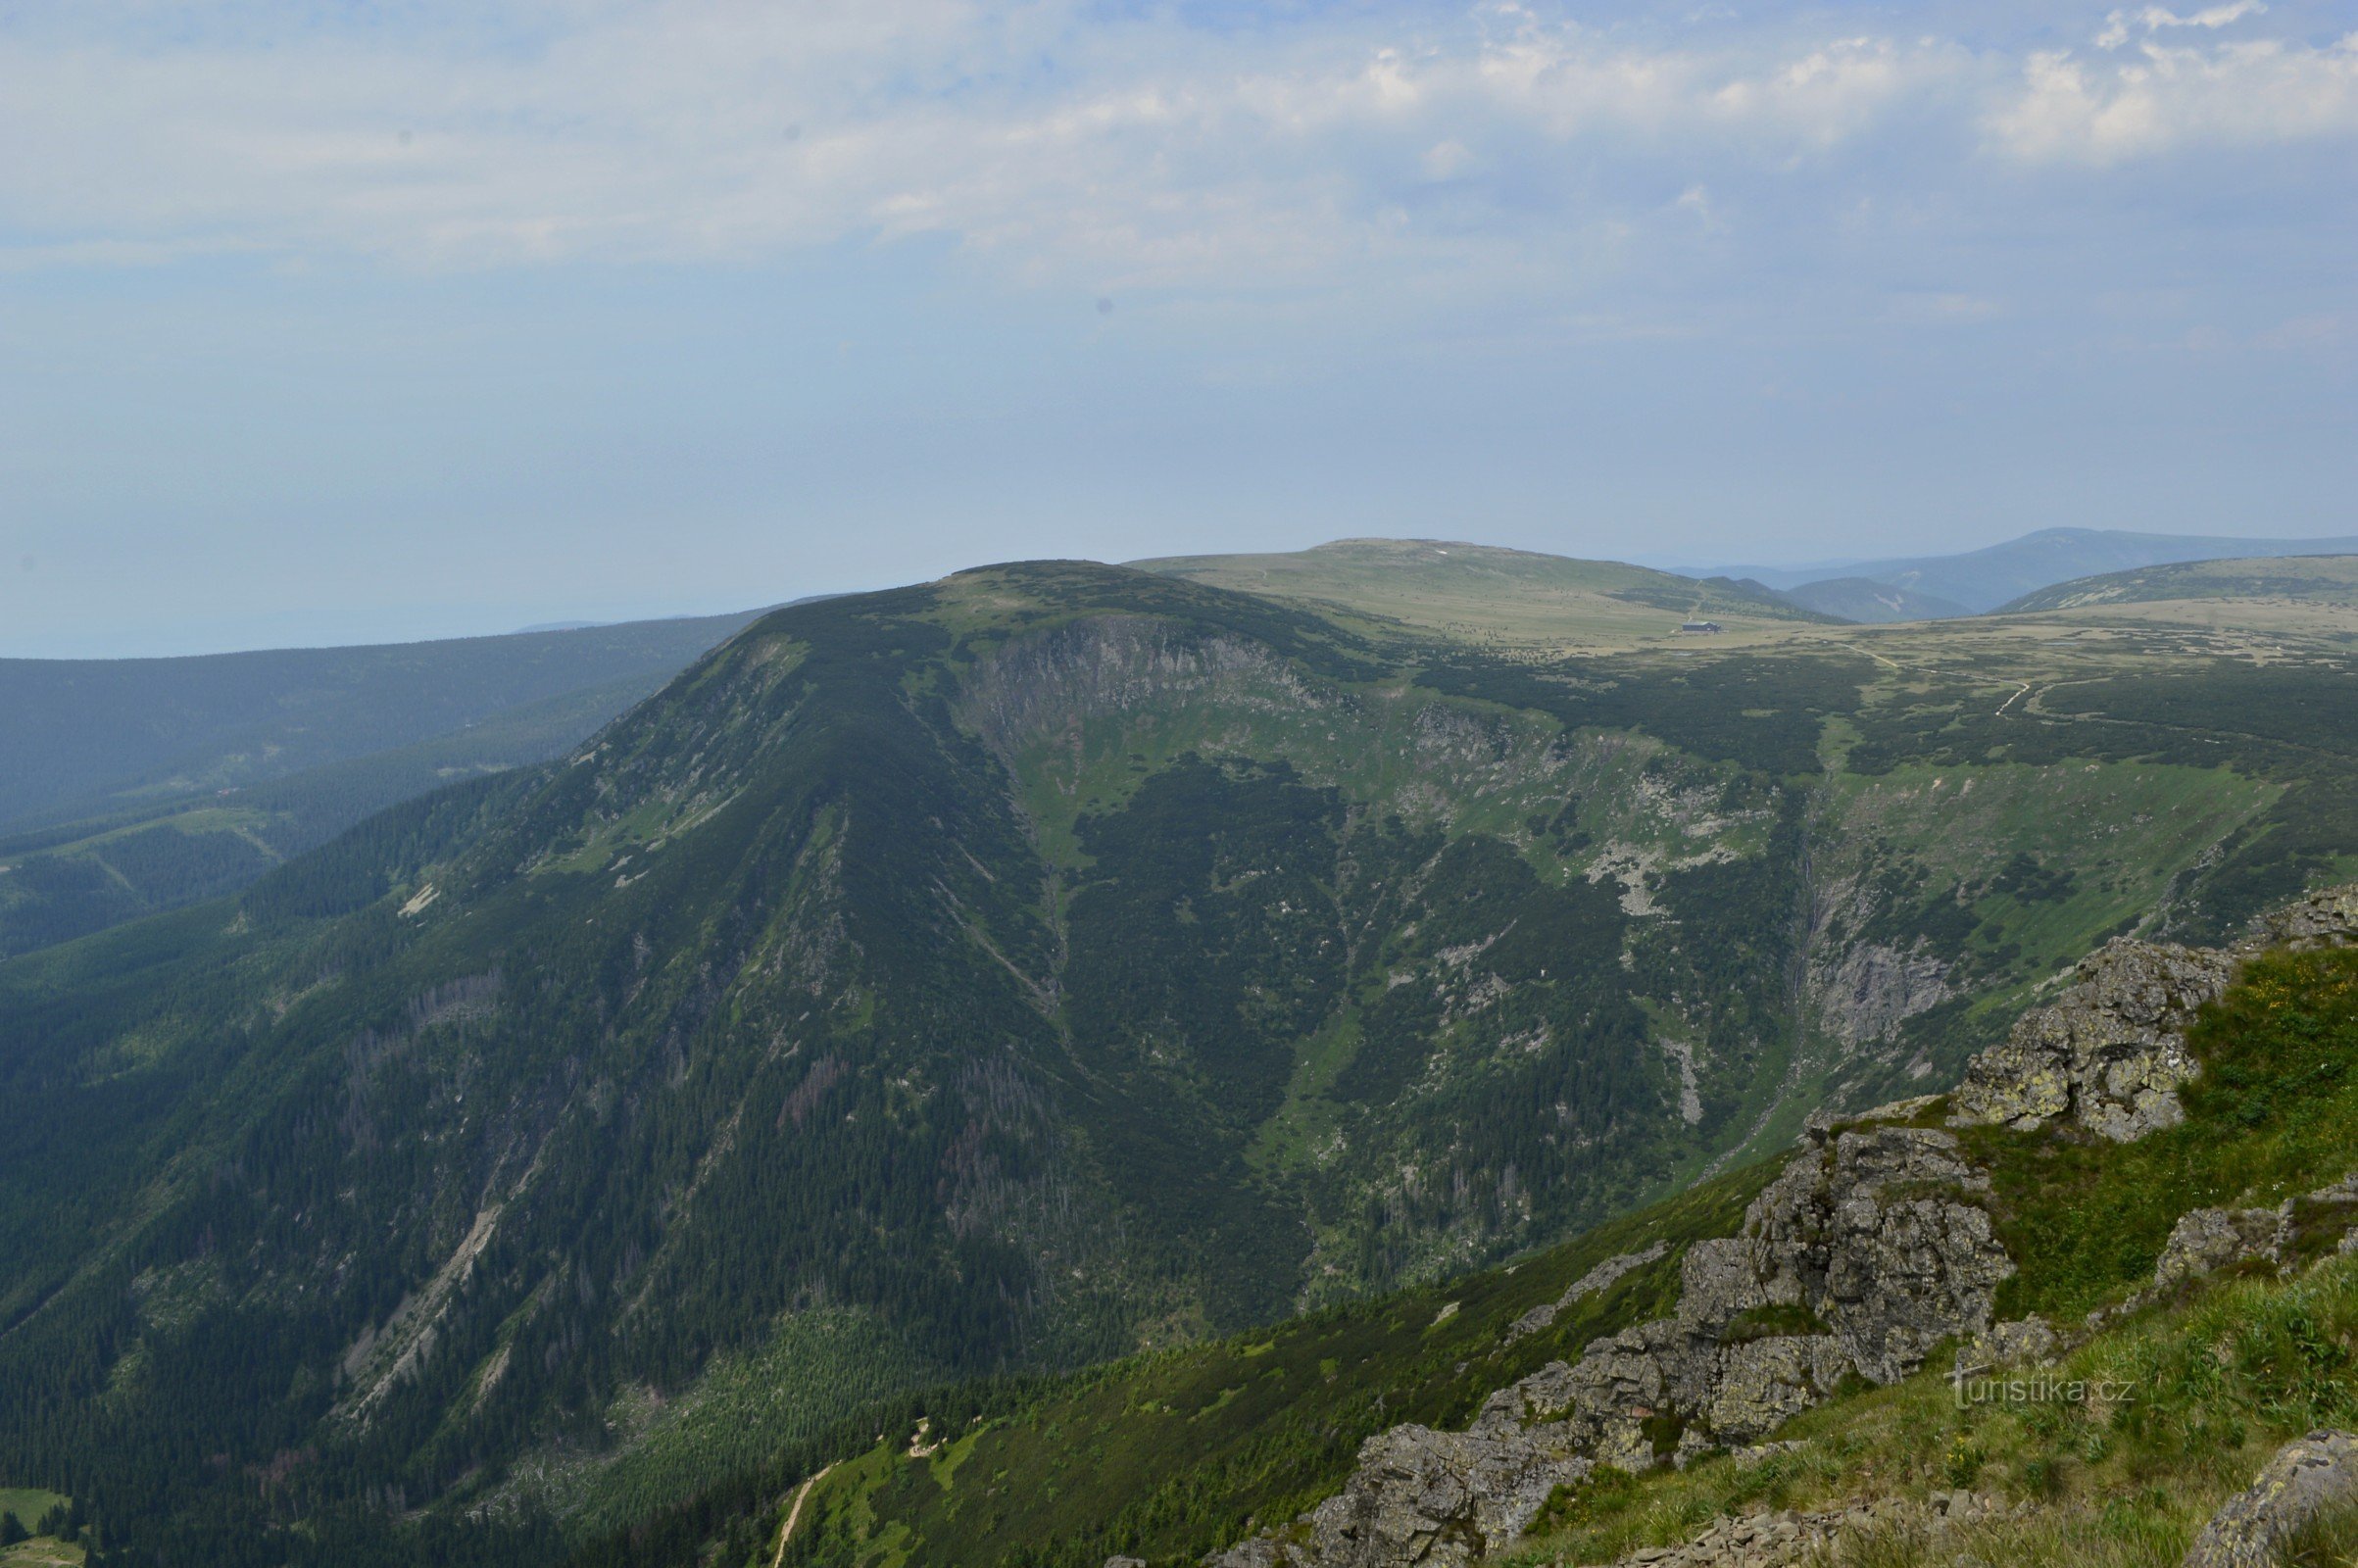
<point x="2110" y="1054"/>
<point x="2308" y="1477"/>
<point x="1761" y="1384"/>
<point x="2329" y="918"/>
<point x="1879" y="1234"/>
<point x="1423" y="1497"/>
<point x="2207" y="1239"/>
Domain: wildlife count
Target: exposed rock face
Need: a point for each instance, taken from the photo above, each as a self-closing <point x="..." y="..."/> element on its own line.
<point x="1787" y="1538"/>
<point x="2308" y="1477"/>
<point x="1878" y="1236"/>
<point x="1432" y="1498"/>
<point x="1868" y="1242"/>
<point x="2321" y="920"/>
<point x="1874" y="989"/>
<point x="1603" y="1277"/>
<point x="2110" y="1056"/>
<point x="2208" y="1240"/>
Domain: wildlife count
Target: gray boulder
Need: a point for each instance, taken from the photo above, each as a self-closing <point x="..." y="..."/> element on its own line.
<point x="1418" y="1495"/>
<point x="2110" y="1054"/>
<point x="1880" y="1237"/>
<point x="2207" y="1239"/>
<point x="2320" y="920"/>
<point x="2308" y="1477"/>
<point x="2024" y="1342"/>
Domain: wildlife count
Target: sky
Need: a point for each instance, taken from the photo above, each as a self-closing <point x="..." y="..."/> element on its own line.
<point x="343" y="323"/>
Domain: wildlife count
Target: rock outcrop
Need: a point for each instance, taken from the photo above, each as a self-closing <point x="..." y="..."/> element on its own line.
<point x="1603" y="1277"/>
<point x="1787" y="1538"/>
<point x="1439" y="1498"/>
<point x="2205" y="1241"/>
<point x="2308" y="1477"/>
<point x="2110" y="1054"/>
<point x="2025" y="1342"/>
<point x="2324" y="919"/>
<point x="1866" y="1252"/>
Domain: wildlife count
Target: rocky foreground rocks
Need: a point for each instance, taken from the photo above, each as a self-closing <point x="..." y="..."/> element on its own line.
<point x="1863" y="1255"/>
<point x="1869" y="1250"/>
<point x="2110" y="1056"/>
<point x="1786" y="1538"/>
<point x="2309" y="1476"/>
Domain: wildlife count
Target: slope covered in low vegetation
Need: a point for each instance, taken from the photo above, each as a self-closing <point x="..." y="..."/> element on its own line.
<point x="1172" y="1457"/>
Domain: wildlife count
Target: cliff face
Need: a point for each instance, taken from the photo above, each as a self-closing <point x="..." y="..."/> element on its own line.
<point x="1873" y="1246"/>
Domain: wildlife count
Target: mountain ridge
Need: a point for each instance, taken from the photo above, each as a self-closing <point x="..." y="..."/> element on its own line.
<point x="1983" y="579"/>
<point x="996" y="975"/>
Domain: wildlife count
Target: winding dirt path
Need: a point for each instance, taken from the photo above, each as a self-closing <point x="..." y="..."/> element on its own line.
<point x="794" y="1515"/>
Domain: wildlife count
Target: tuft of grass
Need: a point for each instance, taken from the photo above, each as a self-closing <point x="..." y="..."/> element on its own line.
<point x="2330" y="1540"/>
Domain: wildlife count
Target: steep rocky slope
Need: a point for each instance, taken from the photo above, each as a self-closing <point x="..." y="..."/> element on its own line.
<point x="1877" y="1242"/>
<point x="1822" y="1337"/>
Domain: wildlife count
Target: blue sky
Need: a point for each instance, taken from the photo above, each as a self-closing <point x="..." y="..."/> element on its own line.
<point x="343" y="323"/>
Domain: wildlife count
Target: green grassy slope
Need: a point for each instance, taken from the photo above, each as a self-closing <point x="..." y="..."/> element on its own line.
<point x="74" y="878"/>
<point x="1490" y="597"/>
<point x="1170" y="1457"/>
<point x="1862" y="599"/>
<point x="1983" y="579"/>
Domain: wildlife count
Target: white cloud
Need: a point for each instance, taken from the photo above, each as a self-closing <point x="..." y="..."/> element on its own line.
<point x="1119" y="152"/>
<point x="2152" y="19"/>
<point x="2245" y="94"/>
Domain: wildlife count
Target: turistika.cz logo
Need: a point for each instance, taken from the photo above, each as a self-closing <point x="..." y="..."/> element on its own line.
<point x="1972" y="1388"/>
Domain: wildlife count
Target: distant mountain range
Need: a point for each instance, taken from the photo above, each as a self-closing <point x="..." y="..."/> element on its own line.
<point x="1975" y="581"/>
<point x="138" y="785"/>
<point x="1863" y="599"/>
<point x="2282" y="580"/>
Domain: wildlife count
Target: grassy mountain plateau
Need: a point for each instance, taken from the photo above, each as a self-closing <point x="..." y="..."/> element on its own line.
<point x="1075" y="1052"/>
